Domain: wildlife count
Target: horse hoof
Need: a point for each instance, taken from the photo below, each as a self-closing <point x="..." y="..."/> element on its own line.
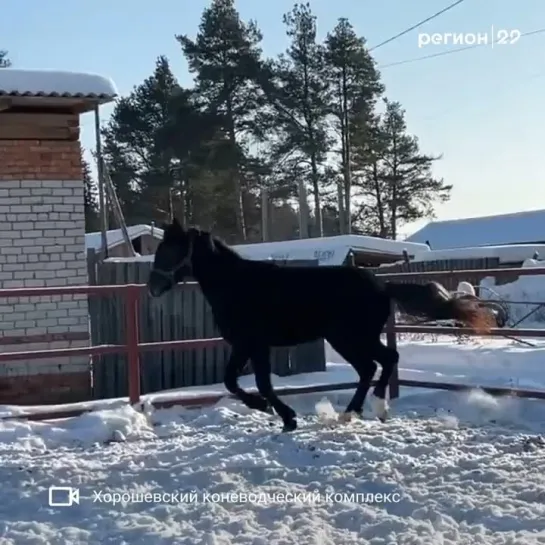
<point x="290" y="425"/>
<point x="380" y="408"/>
<point x="260" y="404"/>
<point x="349" y="416"/>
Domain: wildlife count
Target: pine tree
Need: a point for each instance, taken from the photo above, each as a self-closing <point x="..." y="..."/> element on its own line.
<point x="4" y="59"/>
<point x="198" y="149"/>
<point x="301" y="103"/>
<point x="225" y="58"/>
<point x="312" y="115"/>
<point x="354" y="89"/>
<point x="168" y="156"/>
<point x="139" y="162"/>
<point x="90" y="199"/>
<point x="397" y="182"/>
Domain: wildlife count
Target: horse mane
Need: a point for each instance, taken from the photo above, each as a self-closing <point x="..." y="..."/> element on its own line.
<point x="221" y="246"/>
<point x="226" y="251"/>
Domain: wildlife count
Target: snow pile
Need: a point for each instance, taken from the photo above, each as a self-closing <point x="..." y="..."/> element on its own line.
<point x="525" y="289"/>
<point x="99" y="427"/>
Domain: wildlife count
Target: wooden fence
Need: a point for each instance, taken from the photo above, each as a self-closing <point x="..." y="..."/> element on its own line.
<point x="183" y="315"/>
<point x="446" y="265"/>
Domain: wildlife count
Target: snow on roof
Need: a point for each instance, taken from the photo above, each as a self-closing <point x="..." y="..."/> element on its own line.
<point x="328" y="250"/>
<point x="510" y="253"/>
<point x="521" y="227"/>
<point x="55" y="84"/>
<point x="331" y="250"/>
<point x="115" y="236"/>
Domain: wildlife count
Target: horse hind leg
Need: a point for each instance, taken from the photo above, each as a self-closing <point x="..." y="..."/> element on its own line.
<point x="262" y="369"/>
<point x="360" y="355"/>
<point x="388" y="359"/>
<point x="234" y="366"/>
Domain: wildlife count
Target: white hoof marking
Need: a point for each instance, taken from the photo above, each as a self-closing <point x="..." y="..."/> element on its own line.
<point x="380" y="408"/>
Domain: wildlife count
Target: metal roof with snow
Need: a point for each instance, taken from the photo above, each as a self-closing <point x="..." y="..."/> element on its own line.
<point x="55" y="84"/>
<point x="327" y="250"/>
<point x="114" y="237"/>
<point x="517" y="228"/>
<point x="509" y="253"/>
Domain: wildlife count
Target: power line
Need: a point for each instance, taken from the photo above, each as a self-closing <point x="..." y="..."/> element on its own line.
<point x="450" y="51"/>
<point x="416" y="26"/>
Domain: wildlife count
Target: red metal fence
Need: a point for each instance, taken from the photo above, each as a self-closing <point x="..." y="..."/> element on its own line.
<point x="133" y="347"/>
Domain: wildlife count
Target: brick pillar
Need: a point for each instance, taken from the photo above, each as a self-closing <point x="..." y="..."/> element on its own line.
<point x="42" y="243"/>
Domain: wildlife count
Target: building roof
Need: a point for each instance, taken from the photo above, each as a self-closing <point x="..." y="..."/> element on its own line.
<point x="41" y="83"/>
<point x="509" y="253"/>
<point x="114" y="237"/>
<point x="328" y="250"/>
<point x="521" y="227"/>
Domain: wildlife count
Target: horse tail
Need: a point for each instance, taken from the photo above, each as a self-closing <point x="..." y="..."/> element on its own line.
<point x="433" y="302"/>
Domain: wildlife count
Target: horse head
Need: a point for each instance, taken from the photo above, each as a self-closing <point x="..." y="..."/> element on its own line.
<point x="175" y="256"/>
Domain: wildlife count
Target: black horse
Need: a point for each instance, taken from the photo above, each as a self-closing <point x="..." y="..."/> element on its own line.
<point x="258" y="305"/>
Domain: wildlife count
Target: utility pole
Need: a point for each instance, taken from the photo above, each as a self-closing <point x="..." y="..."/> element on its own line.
<point x="265" y="221"/>
<point x="171" y="206"/>
<point x="101" y="192"/>
<point x="348" y="178"/>
<point x="303" y="209"/>
<point x="340" y="200"/>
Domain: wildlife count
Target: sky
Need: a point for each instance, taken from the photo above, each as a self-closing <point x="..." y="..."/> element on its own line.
<point x="481" y="109"/>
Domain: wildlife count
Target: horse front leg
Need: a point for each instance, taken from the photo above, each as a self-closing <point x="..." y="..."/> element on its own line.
<point x="235" y="365"/>
<point x="262" y="369"/>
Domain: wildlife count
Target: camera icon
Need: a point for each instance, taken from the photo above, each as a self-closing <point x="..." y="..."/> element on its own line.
<point x="63" y="496"/>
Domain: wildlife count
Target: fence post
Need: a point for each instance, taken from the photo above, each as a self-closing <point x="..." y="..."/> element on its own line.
<point x="391" y="342"/>
<point x="131" y="332"/>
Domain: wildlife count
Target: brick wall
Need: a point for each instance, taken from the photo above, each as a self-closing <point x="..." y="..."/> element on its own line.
<point x="42" y="243"/>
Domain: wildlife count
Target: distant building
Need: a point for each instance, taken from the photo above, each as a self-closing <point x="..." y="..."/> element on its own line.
<point x="518" y="228"/>
<point x="144" y="238"/>
<point x="336" y="250"/>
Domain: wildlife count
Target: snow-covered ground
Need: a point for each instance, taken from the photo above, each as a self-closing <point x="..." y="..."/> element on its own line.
<point x="447" y="468"/>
